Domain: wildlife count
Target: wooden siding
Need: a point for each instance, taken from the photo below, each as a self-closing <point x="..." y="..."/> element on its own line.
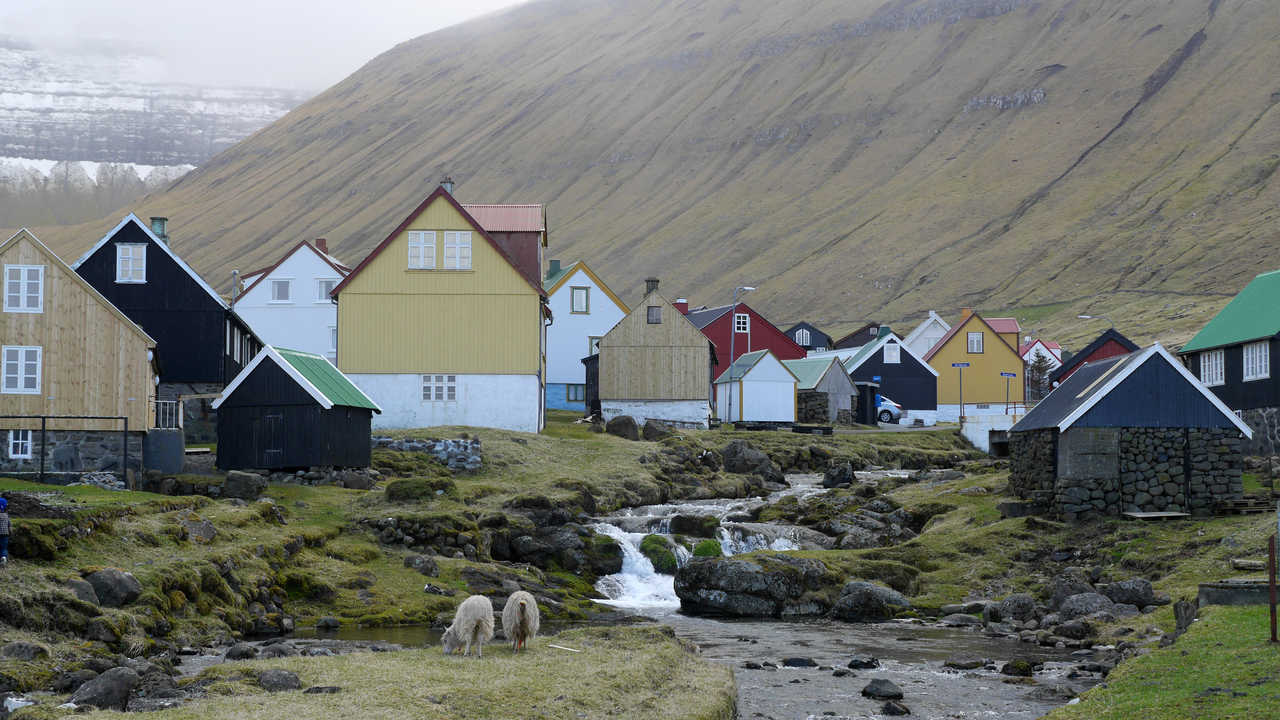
<point x="1155" y="395"/>
<point x="908" y="382"/>
<point x="92" y="361"/>
<point x="1235" y="391"/>
<point x="665" y="361"/>
<point x="395" y="320"/>
<point x="982" y="381"/>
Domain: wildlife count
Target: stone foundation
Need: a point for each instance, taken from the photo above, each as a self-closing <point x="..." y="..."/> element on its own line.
<point x="71" y="453"/>
<point x="813" y="408"/>
<point x="1033" y="464"/>
<point x="1266" y="431"/>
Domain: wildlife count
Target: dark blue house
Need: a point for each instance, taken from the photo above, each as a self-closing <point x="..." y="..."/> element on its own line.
<point x="1131" y="434"/>
<point x="902" y="376"/>
<point x="809" y="337"/>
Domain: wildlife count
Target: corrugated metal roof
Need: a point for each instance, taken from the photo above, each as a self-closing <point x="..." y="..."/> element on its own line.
<point x="508" y="218"/>
<point x="739" y="368"/>
<point x="1004" y="324"/>
<point x="706" y="316"/>
<point x="809" y="371"/>
<point x="1252" y="315"/>
<point x="327" y="379"/>
<point x="553" y="278"/>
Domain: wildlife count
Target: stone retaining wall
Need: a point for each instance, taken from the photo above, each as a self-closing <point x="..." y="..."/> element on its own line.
<point x="813" y="408"/>
<point x="69" y="453"/>
<point x="1266" y="431"/>
<point x="1033" y="464"/>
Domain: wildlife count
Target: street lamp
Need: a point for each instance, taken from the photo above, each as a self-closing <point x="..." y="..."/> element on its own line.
<point x="1097" y="317"/>
<point x="733" y="333"/>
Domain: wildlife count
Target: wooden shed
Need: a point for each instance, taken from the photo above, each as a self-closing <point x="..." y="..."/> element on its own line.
<point x="824" y="391"/>
<point x="289" y="409"/>
<point x="756" y="388"/>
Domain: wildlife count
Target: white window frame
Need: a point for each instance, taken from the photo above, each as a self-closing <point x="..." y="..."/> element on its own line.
<point x="892" y="354"/>
<point x="323" y="287"/>
<point x="137" y="274"/>
<point x="23" y="292"/>
<point x="23" y="354"/>
<point x="741" y="323"/>
<point x="457" y="249"/>
<point x="802" y="337"/>
<point x="820" y="348"/>
<point x="15" y="442"/>
<point x="593" y="344"/>
<point x="287" y="283"/>
<point x="586" y="300"/>
<point x="439" y="388"/>
<point x="971" y="344"/>
<point x="424" y="243"/>
<point x="1257" y="367"/>
<point x="1212" y="372"/>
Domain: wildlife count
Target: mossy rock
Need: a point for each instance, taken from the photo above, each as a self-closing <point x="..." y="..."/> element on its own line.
<point x="36" y="539"/>
<point x="395" y="463"/>
<point x="299" y="584"/>
<point x="658" y="550"/>
<point x="708" y="548"/>
<point x="420" y="489"/>
<point x="696" y="525"/>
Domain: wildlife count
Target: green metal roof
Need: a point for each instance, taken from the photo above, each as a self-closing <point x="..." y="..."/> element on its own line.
<point x="1251" y="315"/>
<point x="745" y="362"/>
<point x="808" y="371"/>
<point x="553" y="278"/>
<point x="327" y="379"/>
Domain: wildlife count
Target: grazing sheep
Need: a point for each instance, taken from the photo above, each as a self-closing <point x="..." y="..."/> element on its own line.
<point x="520" y="619"/>
<point x="472" y="625"/>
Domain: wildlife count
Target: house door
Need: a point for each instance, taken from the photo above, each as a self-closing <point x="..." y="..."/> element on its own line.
<point x="273" y="439"/>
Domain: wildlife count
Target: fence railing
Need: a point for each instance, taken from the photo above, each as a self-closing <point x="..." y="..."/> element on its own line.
<point x="169" y="414"/>
<point x="39" y="455"/>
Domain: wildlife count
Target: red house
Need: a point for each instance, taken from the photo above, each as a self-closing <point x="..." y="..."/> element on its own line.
<point x="1108" y="345"/>
<point x="748" y="329"/>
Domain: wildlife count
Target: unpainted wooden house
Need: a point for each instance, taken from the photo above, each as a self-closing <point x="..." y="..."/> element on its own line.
<point x="824" y="392"/>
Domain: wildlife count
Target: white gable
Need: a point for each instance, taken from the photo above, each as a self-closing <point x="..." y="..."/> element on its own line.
<point x="308" y="319"/>
<point x="925" y="335"/>
<point x="569" y="337"/>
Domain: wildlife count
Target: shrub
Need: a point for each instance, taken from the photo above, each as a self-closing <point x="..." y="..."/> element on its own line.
<point x="708" y="548"/>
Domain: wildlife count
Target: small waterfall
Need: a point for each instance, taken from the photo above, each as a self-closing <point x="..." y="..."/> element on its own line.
<point x="638" y="586"/>
<point x="735" y="541"/>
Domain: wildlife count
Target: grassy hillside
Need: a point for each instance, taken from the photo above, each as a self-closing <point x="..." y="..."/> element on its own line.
<point x="853" y="159"/>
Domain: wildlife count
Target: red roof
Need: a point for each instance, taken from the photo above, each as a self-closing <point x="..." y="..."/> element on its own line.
<point x="508" y="218"/>
<point x="1004" y="325"/>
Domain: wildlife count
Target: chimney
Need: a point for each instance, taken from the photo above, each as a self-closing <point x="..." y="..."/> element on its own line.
<point x="650" y="285"/>
<point x="322" y="245"/>
<point x="447" y="184"/>
<point x="235" y="285"/>
<point x="553" y="267"/>
<point x="965" y="314"/>
<point x="682" y="304"/>
<point x="160" y="228"/>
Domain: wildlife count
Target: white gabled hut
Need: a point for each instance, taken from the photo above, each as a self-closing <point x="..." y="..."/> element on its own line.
<point x="756" y="388"/>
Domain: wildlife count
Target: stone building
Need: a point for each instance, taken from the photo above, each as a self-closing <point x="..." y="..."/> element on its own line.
<point x="1137" y="433"/>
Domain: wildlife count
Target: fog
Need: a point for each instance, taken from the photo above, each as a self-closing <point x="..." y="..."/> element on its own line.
<point x="294" y="44"/>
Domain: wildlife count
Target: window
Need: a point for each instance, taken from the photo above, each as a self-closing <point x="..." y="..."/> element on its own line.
<point x="1257" y="360"/>
<point x="422" y="250"/>
<point x="21" y="370"/>
<point x="802" y="337"/>
<point x="24" y="288"/>
<point x="575" y="393"/>
<point x="892" y="354"/>
<point x="741" y="322"/>
<point x="131" y="263"/>
<point x="975" y="342"/>
<point x="457" y="250"/>
<point x="323" y="288"/>
<point x="281" y="291"/>
<point x="1211" y="367"/>
<point x="820" y="348"/>
<point x="439" y="388"/>
<point x="593" y="344"/>
<point x="654" y="314"/>
<point x="20" y="444"/>
<point x="581" y="300"/>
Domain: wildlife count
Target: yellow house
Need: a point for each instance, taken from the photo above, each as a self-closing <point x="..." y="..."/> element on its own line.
<point x="66" y="351"/>
<point x="989" y="346"/>
<point x="445" y="324"/>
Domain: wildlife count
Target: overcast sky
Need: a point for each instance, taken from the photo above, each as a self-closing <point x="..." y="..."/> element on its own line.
<point x="301" y="44"/>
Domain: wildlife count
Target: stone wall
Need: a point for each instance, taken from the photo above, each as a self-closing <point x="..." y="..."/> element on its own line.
<point x="813" y="407"/>
<point x="1266" y="431"/>
<point x="1033" y="464"/>
<point x="70" y="453"/>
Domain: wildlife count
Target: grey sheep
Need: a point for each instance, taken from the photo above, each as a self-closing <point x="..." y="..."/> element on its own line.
<point x="520" y="619"/>
<point x="472" y="625"/>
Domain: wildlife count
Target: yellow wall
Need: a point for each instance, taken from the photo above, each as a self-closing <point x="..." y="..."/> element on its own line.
<point x="395" y="320"/>
<point x="982" y="381"/>
<point x="94" y="362"/>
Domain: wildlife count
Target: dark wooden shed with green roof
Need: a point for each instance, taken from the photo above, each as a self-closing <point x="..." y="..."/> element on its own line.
<point x="290" y="410"/>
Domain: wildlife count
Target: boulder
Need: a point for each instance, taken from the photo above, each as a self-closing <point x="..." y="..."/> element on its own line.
<point x="624" y="426"/>
<point x="740" y="457"/>
<point x="1071" y="581"/>
<point x="964" y="662"/>
<point x="654" y="430"/>
<point x="1018" y="606"/>
<point x="1018" y="668"/>
<point x="328" y="623"/>
<point x="21" y="650"/>
<point x="279" y="650"/>
<point x="697" y="525"/>
<point x="83" y="591"/>
<point x="838" y="474"/>
<point x="114" y="588"/>
<point x="1136" y="591"/>
<point x="278" y="680"/>
<point x="1074" y="630"/>
<point x="423" y="564"/>
<point x="198" y="530"/>
<point x="863" y="662"/>
<point x="109" y="691"/>
<point x="799" y="662"/>
<point x="1083" y="604"/>
<point x="758" y="586"/>
<point x="961" y="620"/>
<point x="69" y="682"/>
<point x="881" y="689"/>
<point x="893" y="707"/>
<point x="241" y="651"/>
<point x="866" y="602"/>
<point x="243" y="485"/>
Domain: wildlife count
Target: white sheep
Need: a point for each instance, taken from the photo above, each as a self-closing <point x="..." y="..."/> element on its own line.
<point x="472" y="625"/>
<point x="520" y="619"/>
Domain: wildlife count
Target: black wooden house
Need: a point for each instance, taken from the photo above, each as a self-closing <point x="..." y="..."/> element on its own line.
<point x="901" y="375"/>
<point x="289" y="410"/>
<point x="809" y="337"/>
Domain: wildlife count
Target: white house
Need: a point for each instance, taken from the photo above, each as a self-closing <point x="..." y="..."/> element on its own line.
<point x="1051" y="351"/>
<point x="584" y="310"/>
<point x="288" y="304"/>
<point x="925" y="335"/>
<point x="756" y="388"/>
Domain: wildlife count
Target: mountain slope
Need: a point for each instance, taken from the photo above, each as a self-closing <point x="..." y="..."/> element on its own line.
<point x="853" y="159"/>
